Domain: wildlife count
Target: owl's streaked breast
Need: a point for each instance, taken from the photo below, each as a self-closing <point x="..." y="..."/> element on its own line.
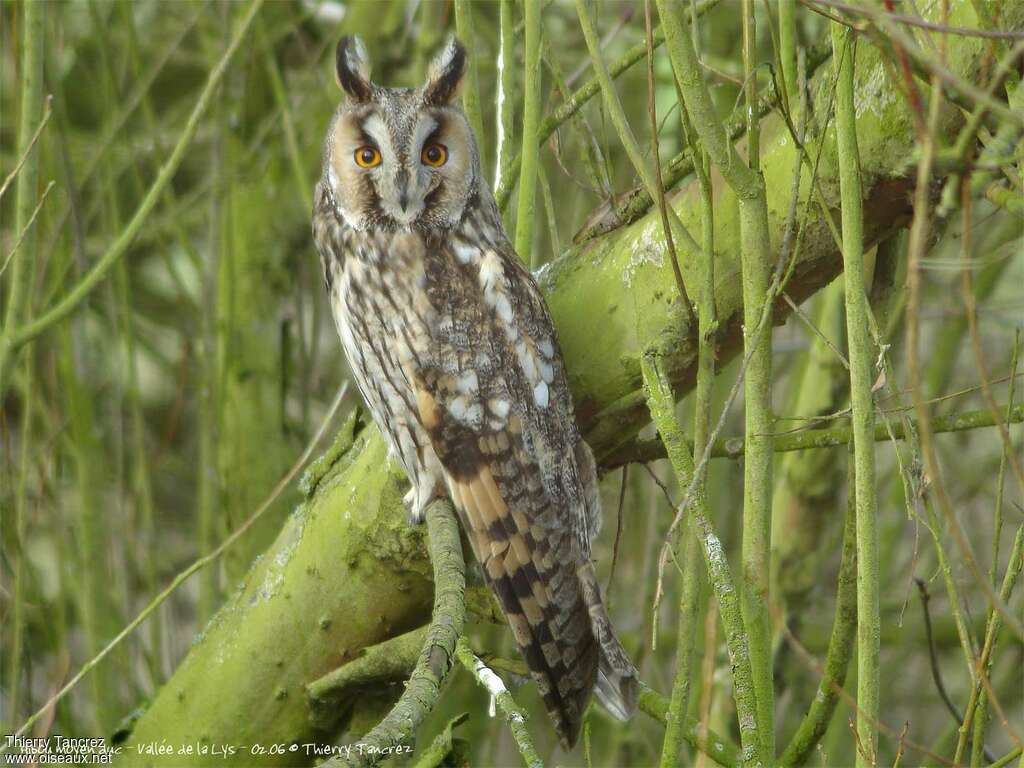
<point x="384" y="316"/>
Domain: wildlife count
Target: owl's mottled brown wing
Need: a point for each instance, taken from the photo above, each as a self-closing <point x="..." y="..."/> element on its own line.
<point x="492" y="395"/>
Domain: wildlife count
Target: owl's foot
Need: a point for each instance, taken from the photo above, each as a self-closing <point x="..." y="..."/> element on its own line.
<point x="417" y="502"/>
<point x="418" y="499"/>
<point x="416" y="512"/>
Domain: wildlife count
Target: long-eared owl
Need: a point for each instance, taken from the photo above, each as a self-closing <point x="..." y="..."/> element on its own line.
<point x="454" y="352"/>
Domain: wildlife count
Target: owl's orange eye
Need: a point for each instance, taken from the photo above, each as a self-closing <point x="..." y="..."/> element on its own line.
<point x="434" y="155"/>
<point x="367" y="157"/>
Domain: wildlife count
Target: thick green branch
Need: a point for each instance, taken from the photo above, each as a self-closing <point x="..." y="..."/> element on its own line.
<point x="390" y="661"/>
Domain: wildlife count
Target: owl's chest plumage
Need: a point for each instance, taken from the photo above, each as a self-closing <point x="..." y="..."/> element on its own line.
<point x="386" y="320"/>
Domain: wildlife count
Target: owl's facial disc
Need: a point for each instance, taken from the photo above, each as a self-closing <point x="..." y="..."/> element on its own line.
<point x="399" y="160"/>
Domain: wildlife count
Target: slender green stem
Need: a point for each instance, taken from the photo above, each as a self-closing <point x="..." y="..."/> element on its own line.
<point x="688" y="626"/>
<point x="441" y="752"/>
<point x="140" y="470"/>
<point x="26" y="194"/>
<point x="525" y="211"/>
<point x="717" y="747"/>
<point x="733" y="447"/>
<point x="756" y="264"/>
<point x="550" y="216"/>
<point x="581" y="96"/>
<point x="19" y="303"/>
<point x="638" y="202"/>
<point x="861" y="378"/>
<point x="840" y="647"/>
<point x="1008" y="758"/>
<point x="505" y="128"/>
<point x="72" y="298"/>
<point x="981" y="715"/>
<point x="302" y="183"/>
<point x="661" y="403"/>
<point x="992" y="628"/>
<point x="787" y="51"/>
<point x="16" y="532"/>
<point x="471" y="89"/>
<point x="94" y="596"/>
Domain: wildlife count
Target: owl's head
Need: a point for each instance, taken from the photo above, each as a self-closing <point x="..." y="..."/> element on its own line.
<point x="400" y="158"/>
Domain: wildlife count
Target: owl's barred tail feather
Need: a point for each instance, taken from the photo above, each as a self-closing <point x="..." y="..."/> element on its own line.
<point x="616" y="685"/>
<point x="598" y="661"/>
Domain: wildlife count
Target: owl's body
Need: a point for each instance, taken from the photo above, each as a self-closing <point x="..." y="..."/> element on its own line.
<point x="453" y="349"/>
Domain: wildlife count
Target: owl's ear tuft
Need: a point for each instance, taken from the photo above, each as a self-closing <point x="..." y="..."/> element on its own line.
<point x="352" y="68"/>
<point x="445" y="74"/>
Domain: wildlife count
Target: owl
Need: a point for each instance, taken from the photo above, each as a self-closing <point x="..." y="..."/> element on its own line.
<point x="455" y="354"/>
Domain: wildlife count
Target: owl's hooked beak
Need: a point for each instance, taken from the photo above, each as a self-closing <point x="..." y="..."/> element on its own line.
<point x="403" y="190"/>
<point x="404" y="203"/>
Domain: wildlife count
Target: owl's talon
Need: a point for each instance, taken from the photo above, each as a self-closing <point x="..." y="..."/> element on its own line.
<point x="416" y="513"/>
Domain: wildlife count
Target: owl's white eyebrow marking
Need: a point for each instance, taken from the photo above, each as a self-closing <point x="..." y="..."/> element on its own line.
<point x="375" y="128"/>
<point x="424" y="127"/>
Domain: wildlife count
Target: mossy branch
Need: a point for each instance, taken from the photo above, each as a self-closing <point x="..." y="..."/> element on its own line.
<point x="390" y="661"/>
<point x="424" y="685"/>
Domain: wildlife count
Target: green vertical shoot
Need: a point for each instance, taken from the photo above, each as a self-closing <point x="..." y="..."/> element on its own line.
<point x="471" y="90"/>
<point x="787" y="51"/>
<point x="757" y="469"/>
<point x="505" y="102"/>
<point x="756" y="263"/>
<point x="22" y="269"/>
<point x="859" y="340"/>
<point x="690" y="592"/>
<point x="22" y="265"/>
<point x="525" y="211"/>
<point x="661" y="403"/>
